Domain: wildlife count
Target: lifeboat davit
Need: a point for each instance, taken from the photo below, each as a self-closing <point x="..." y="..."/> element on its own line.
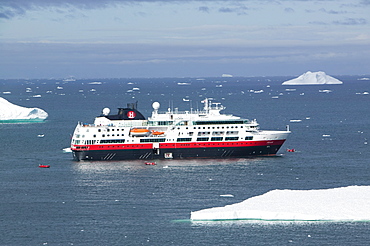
<point x="139" y="132"/>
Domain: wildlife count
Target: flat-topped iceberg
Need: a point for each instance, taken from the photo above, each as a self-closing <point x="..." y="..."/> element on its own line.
<point x="339" y="204"/>
<point x="11" y="113"/>
<point x="313" y="78"/>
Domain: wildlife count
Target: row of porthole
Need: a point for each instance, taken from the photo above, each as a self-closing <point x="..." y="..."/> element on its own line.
<point x="108" y="130"/>
<point x="108" y="135"/>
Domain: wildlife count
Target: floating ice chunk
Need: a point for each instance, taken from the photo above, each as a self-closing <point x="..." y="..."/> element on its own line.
<point x="227" y="75"/>
<point x="313" y="78"/>
<point x="325" y="91"/>
<point x="338" y="204"/>
<point x="227" y="195"/>
<point x="295" y="121"/>
<point x="11" y="113"/>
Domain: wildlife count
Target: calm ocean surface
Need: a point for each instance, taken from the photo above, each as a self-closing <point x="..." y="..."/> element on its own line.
<point x="129" y="203"/>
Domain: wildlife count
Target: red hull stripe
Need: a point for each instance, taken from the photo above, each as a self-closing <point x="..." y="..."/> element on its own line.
<point x="178" y="145"/>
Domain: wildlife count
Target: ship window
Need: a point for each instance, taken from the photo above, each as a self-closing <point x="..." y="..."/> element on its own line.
<point x="216" y="139"/>
<point x="183" y="139"/>
<point x="249" y="138"/>
<point x="202" y="139"/>
<point x="108" y="130"/>
<point x="152" y="140"/>
<point x="232" y="132"/>
<point x="103" y="135"/>
<point x="204" y="133"/>
<point x="99" y="130"/>
<point x="231" y="138"/>
<point x="112" y="130"/>
<point x="94" y="135"/>
<point x="105" y="141"/>
<point x="191" y="133"/>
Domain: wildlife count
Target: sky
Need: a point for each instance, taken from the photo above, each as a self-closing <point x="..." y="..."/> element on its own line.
<point x="183" y="38"/>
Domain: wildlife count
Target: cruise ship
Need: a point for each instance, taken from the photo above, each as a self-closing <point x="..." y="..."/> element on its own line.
<point x="173" y="134"/>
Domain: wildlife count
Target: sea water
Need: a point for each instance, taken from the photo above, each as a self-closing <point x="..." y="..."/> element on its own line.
<point x="130" y="203"/>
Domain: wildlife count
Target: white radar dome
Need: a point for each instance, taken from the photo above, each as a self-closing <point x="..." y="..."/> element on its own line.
<point x="156" y="105"/>
<point x="106" y="111"/>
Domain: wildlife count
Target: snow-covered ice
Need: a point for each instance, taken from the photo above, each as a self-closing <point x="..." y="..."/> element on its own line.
<point x="12" y="112"/>
<point x="313" y="78"/>
<point x="350" y="203"/>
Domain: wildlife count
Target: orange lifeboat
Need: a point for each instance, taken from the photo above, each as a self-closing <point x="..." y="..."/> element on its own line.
<point x="139" y="132"/>
<point x="157" y="133"/>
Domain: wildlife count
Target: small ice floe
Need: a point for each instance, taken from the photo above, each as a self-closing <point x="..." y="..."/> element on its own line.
<point x="183" y="83"/>
<point x="219" y="86"/>
<point x="165" y="167"/>
<point x="363" y="79"/>
<point x="326" y="136"/>
<point x="258" y="92"/>
<point x="302" y="94"/>
<point x="186" y="99"/>
<point x="275" y="97"/>
<point x="28" y="90"/>
<point x="92" y="90"/>
<point x="59" y="87"/>
<point x="7" y="92"/>
<point x="40" y="135"/>
<point x="325" y="91"/>
<point x="36" y="96"/>
<point x="365" y="93"/>
<point x="225" y="75"/>
<point x="290" y="89"/>
<point x="227" y="195"/>
<point x="95" y="83"/>
<point x="136" y="89"/>
<point x="295" y="121"/>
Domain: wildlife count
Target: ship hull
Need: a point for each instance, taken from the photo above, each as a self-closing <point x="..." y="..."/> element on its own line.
<point x="244" y="150"/>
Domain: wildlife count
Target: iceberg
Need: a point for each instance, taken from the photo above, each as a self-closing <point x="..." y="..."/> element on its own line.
<point x="313" y="78"/>
<point x="11" y="113"/>
<point x="350" y="203"/>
